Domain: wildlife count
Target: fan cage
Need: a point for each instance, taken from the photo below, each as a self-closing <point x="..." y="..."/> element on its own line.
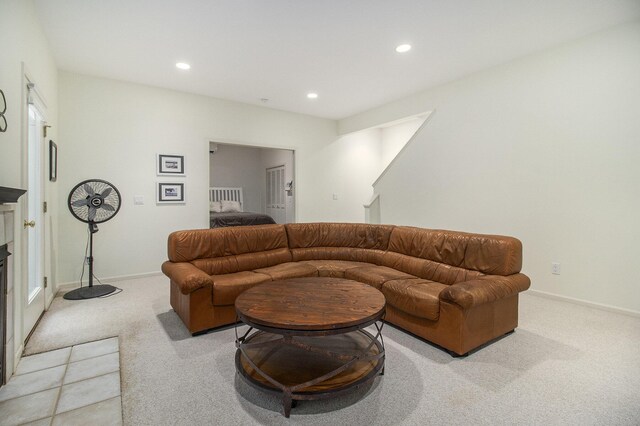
<point x="90" y="188"/>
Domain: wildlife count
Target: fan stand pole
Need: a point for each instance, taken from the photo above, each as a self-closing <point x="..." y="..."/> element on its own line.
<point x="91" y="291"/>
<point x="90" y="260"/>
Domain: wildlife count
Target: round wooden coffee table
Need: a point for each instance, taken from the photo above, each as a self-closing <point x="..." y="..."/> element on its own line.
<point x="306" y="338"/>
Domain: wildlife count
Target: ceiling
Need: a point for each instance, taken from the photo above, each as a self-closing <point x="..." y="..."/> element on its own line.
<point x="246" y="50"/>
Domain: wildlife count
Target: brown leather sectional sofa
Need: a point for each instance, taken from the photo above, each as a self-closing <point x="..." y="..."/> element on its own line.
<point x="455" y="289"/>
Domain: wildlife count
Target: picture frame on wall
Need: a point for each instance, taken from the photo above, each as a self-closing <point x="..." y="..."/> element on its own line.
<point x="170" y="165"/>
<point x="170" y="193"/>
<point x="53" y="161"/>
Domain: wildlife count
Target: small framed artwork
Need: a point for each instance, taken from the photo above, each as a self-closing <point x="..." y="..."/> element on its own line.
<point x="53" y="161"/>
<point x="170" y="193"/>
<point x="170" y="165"/>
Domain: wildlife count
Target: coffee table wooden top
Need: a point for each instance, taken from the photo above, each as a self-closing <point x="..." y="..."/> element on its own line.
<point x="313" y="303"/>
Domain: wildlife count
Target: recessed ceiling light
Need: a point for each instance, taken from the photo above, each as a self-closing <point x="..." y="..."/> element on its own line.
<point x="403" y="48"/>
<point x="183" y="65"/>
<point x="312" y="95"/>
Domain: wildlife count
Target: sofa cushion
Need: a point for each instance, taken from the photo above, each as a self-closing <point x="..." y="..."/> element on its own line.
<point x="229" y="286"/>
<point x="243" y="262"/>
<point x="185" y="246"/>
<point x="349" y="254"/>
<point x="375" y="275"/>
<point x="428" y="269"/>
<point x="333" y="268"/>
<point x="415" y="297"/>
<point x="354" y="235"/>
<point x="284" y="271"/>
<point x="489" y="254"/>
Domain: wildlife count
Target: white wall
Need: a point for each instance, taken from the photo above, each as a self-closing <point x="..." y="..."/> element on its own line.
<point x="546" y="149"/>
<point x="23" y="43"/>
<point x="395" y="137"/>
<point x="274" y="158"/>
<point x="239" y="166"/>
<point x="113" y="130"/>
<point x="350" y="165"/>
<point x="354" y="162"/>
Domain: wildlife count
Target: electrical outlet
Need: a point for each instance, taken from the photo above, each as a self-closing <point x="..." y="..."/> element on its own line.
<point x="555" y="268"/>
<point x="86" y="260"/>
<point x="335" y="196"/>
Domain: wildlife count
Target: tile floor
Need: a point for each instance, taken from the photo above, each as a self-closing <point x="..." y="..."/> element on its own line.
<point x="78" y="385"/>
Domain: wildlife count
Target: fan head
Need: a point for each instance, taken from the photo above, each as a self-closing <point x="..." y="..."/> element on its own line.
<point x="94" y="201"/>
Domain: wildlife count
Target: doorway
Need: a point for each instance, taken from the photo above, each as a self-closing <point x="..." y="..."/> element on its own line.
<point x="265" y="177"/>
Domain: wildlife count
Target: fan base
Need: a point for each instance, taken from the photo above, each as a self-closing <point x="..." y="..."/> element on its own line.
<point x="89" y="292"/>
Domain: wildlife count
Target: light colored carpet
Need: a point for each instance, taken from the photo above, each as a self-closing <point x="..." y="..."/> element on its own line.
<point x="565" y="364"/>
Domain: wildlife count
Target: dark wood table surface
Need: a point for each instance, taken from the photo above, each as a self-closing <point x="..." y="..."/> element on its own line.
<point x="313" y="303"/>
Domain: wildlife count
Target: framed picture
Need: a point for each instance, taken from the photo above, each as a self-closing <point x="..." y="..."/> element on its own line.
<point x="170" y="193"/>
<point x="170" y="165"/>
<point x="53" y="161"/>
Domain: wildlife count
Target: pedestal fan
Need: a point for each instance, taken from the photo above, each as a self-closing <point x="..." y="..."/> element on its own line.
<point x="93" y="201"/>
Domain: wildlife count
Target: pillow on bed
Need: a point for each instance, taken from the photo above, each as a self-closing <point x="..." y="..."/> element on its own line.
<point x="215" y="206"/>
<point x="230" y="206"/>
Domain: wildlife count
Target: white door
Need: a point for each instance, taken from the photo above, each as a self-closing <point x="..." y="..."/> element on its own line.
<point x="275" y="194"/>
<point x="33" y="235"/>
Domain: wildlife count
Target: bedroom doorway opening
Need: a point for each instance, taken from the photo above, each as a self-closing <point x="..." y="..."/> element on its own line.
<point x="250" y="185"/>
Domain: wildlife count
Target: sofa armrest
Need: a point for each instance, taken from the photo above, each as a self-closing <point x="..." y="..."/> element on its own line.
<point x="487" y="289"/>
<point x="186" y="276"/>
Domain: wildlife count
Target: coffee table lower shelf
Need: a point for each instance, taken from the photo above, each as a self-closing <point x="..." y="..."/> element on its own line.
<point x="309" y="367"/>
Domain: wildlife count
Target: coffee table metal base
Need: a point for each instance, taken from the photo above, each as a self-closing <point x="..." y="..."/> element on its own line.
<point x="308" y="365"/>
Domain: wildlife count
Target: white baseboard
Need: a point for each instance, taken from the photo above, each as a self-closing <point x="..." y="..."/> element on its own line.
<point x="601" y="306"/>
<point x="76" y="284"/>
<point x="16" y="357"/>
<point x="48" y="301"/>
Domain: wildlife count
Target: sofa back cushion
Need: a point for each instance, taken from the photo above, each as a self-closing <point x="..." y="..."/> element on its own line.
<point x="338" y="253"/>
<point x="243" y="262"/>
<point x="228" y="250"/>
<point x="355" y="242"/>
<point x="354" y="235"/>
<point x="428" y="269"/>
<point x="489" y="254"/>
<point x="186" y="246"/>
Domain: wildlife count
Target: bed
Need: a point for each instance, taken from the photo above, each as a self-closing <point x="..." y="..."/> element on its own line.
<point x="226" y="208"/>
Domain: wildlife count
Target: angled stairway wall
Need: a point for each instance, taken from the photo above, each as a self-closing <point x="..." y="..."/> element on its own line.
<point x="391" y="139"/>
